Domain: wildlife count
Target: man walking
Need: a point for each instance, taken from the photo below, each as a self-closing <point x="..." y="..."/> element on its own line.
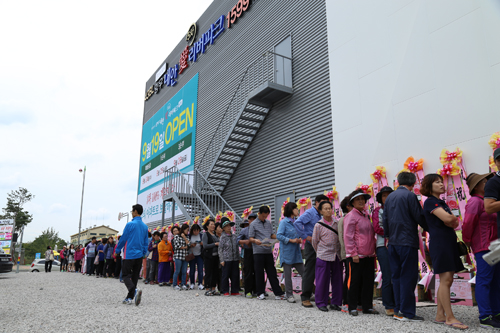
<point x="134" y="242"/>
<point x="91" y="250"/>
<point x="305" y="226"/>
<point x="262" y="230"/>
<point x="248" y="264"/>
<point x="402" y="215"/>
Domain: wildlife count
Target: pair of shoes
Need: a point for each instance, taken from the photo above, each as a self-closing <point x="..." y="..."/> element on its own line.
<point x="208" y="293"/>
<point x="353" y="313"/>
<point x="401" y="317"/>
<point x="307" y="304"/>
<point x="160" y="284"/>
<point x="489" y="322"/>
<point x="138" y="295"/>
<point x="184" y="287"/>
<point x="370" y="311"/>
<point x="359" y="308"/>
<point x="290" y="299"/>
<point x="280" y="298"/>
<point x="389" y="312"/>
<point x="235" y="294"/>
<point x="200" y="287"/>
<point x="249" y="295"/>
<point x="128" y="301"/>
<point x="191" y="287"/>
<point x="323" y="308"/>
<point x="335" y="307"/>
<point x="227" y="294"/>
<point x="177" y="288"/>
<point x="262" y="297"/>
<point x="345" y="308"/>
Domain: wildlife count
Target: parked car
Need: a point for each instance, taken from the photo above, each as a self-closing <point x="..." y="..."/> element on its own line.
<point x="6" y="262"/>
<point x="38" y="265"/>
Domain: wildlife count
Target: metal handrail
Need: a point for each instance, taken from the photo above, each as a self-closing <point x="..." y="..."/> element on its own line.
<point x="198" y="173"/>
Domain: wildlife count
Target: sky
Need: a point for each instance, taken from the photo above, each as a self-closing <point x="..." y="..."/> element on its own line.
<point x="72" y="84"/>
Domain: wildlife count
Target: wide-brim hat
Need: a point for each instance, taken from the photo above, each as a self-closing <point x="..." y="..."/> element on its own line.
<point x="244" y="224"/>
<point x="475" y="178"/>
<point x="366" y="196"/>
<point x="382" y="190"/>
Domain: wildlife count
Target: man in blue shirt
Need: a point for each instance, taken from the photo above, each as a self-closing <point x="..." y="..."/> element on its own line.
<point x="248" y="264"/>
<point x="134" y="242"/>
<point x="402" y="215"/>
<point x="305" y="226"/>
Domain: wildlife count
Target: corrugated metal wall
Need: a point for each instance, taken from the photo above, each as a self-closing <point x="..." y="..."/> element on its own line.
<point x="293" y="150"/>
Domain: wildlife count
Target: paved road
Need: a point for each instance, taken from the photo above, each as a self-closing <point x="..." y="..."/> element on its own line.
<point x="77" y="303"/>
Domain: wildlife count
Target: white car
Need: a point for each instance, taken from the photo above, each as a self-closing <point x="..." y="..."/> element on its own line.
<point x="38" y="265"/>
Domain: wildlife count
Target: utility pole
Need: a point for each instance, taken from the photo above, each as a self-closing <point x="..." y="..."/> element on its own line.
<point x="81" y="206"/>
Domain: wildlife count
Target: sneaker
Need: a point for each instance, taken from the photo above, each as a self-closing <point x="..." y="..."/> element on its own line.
<point x="399" y="316"/>
<point x="200" y="287"/>
<point x="191" y="287"/>
<point x="497" y="317"/>
<point x="184" y="287"/>
<point x="249" y="295"/>
<point x="261" y="297"/>
<point x="389" y="312"/>
<point x="208" y="293"/>
<point x="138" y="295"/>
<point x="416" y="318"/>
<point x="290" y="299"/>
<point x="146" y="281"/>
<point x="359" y="308"/>
<point x="235" y="294"/>
<point x="489" y="322"/>
<point x="266" y="294"/>
<point x="354" y="313"/>
<point x="128" y="301"/>
<point x="177" y="288"/>
<point x="227" y="294"/>
<point x="370" y="311"/>
<point x="160" y="284"/>
<point x="280" y="298"/>
<point x="215" y="293"/>
<point x="345" y="308"/>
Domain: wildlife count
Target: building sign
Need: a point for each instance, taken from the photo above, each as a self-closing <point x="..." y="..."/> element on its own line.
<point x="168" y="75"/>
<point x="168" y="139"/>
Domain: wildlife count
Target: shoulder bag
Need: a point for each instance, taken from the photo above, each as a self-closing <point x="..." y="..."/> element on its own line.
<point x="328" y="227"/>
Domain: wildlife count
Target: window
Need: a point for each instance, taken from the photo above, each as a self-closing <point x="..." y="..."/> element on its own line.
<point x="93" y="233"/>
<point x="102" y="234"/>
<point x="41" y="262"/>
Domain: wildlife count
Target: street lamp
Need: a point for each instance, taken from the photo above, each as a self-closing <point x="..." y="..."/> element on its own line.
<point x="81" y="206"/>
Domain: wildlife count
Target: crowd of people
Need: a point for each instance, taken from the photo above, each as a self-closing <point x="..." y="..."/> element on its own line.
<point x="328" y="253"/>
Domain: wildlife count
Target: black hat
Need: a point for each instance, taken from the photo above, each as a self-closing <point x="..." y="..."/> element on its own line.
<point x="383" y="189"/>
<point x="225" y="221"/>
<point x="496" y="153"/>
<point x="244" y="224"/>
<point x="254" y="215"/>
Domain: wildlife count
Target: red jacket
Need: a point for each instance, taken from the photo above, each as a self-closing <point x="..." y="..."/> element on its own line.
<point x="359" y="236"/>
<point x="479" y="228"/>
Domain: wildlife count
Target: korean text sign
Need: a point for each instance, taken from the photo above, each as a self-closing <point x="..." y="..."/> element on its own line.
<point x="168" y="139"/>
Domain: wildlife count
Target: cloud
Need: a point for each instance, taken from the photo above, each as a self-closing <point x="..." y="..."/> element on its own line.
<point x="15" y="112"/>
<point x="10" y="182"/>
<point x="58" y="208"/>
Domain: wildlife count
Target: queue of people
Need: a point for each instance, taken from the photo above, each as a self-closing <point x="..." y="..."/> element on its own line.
<point x="340" y="254"/>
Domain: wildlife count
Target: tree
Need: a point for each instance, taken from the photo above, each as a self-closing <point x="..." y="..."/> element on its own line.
<point x="48" y="237"/>
<point x="14" y="209"/>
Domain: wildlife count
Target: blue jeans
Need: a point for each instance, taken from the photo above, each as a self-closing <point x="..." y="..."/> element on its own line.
<point x="180" y="266"/>
<point x="487" y="287"/>
<point x="198" y="261"/>
<point x="90" y="265"/>
<point x="404" y="268"/>
<point x="385" y="267"/>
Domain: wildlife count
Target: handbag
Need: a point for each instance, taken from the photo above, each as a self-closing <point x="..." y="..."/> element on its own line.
<point x="51" y="257"/>
<point x="96" y="261"/>
<point x="189" y="257"/>
<point x="462" y="249"/>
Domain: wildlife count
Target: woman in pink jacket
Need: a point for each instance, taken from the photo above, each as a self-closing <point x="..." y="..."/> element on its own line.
<point x="478" y="231"/>
<point x="359" y="239"/>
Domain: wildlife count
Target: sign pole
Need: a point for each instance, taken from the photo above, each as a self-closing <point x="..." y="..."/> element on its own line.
<point x="20" y="249"/>
<point x="81" y="206"/>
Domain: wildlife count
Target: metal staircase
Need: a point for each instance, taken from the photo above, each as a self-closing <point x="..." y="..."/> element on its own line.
<point x="180" y="190"/>
<point x="266" y="81"/>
